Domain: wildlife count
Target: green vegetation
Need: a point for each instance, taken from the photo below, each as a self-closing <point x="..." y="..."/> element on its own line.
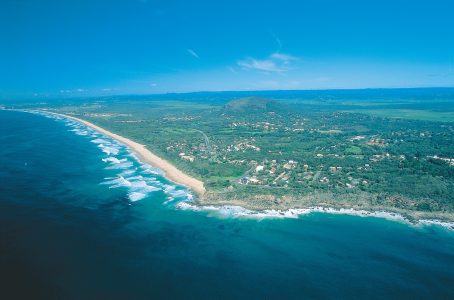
<point x="291" y="152"/>
<point x="413" y="114"/>
<point x="251" y="104"/>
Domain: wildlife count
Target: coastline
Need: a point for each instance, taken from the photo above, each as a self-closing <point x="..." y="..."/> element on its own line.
<point x="177" y="176"/>
<point x="145" y="155"/>
<point x="293" y="213"/>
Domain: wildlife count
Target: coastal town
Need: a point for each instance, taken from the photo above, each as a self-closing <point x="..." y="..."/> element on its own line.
<point x="349" y="163"/>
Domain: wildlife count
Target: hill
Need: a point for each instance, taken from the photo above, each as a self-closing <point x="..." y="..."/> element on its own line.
<point x="255" y="104"/>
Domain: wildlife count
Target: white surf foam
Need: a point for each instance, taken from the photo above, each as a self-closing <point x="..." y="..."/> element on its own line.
<point x="100" y="141"/>
<point x="79" y="131"/>
<point x="127" y="172"/>
<point x="136" y="196"/>
<point x="118" y="182"/>
<point x="121" y="165"/>
<point x="113" y="160"/>
<point x="240" y="212"/>
<point x="147" y="169"/>
<point x="138" y="186"/>
<point x="109" y="150"/>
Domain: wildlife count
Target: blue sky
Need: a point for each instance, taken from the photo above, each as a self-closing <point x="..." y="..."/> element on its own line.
<point x="82" y="48"/>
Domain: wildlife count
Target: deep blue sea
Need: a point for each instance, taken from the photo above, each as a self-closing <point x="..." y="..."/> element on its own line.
<point x="81" y="218"/>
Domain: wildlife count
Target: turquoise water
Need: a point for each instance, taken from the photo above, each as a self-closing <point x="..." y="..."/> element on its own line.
<point x="80" y="218"/>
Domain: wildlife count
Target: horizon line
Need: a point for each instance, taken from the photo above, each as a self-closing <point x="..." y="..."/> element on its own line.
<point x="54" y="97"/>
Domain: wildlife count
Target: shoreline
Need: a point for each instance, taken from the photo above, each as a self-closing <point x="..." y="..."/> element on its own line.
<point x="146" y="156"/>
<point x="177" y="176"/>
<point x="293" y="213"/>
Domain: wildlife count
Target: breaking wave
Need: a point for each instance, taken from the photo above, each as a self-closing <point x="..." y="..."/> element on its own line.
<point x="138" y="179"/>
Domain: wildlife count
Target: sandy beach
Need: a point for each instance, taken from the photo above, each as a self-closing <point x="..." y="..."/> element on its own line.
<point x="145" y="155"/>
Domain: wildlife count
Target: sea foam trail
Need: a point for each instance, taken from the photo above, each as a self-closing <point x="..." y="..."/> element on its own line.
<point x="113" y="160"/>
<point x="139" y="179"/>
<point x="240" y="212"/>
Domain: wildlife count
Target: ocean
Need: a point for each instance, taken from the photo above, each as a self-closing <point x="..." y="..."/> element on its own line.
<point x="82" y="218"/>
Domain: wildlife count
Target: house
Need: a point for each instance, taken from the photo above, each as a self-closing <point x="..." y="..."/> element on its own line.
<point x="291" y="164"/>
<point x="188" y="158"/>
<point x="253" y="180"/>
<point x="183" y="156"/>
<point x="259" y="168"/>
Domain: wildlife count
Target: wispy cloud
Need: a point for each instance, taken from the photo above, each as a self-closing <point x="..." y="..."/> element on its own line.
<point x="278" y="42"/>
<point x="72" y="91"/>
<point x="276" y="63"/>
<point x="266" y="65"/>
<point x="285" y="58"/>
<point x="232" y="70"/>
<point x="193" y="53"/>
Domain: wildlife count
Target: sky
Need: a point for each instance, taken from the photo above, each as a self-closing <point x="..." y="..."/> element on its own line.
<point x="89" y="48"/>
